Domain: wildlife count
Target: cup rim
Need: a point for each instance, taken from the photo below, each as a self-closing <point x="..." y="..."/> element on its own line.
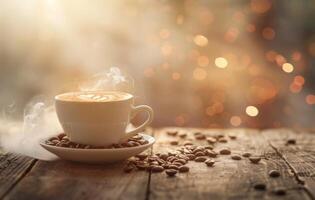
<point x="57" y="97"/>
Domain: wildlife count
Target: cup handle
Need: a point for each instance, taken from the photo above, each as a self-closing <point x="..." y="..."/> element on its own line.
<point x="135" y="110"/>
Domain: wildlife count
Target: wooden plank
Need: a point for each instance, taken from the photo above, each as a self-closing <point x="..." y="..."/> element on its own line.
<point x="300" y="157"/>
<point x="12" y="169"/>
<point x="228" y="179"/>
<point x="69" y="180"/>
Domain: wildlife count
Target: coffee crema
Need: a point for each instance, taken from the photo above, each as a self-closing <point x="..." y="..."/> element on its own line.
<point x="96" y="96"/>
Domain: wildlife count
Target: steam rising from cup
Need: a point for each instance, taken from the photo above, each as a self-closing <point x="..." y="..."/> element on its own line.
<point x="40" y="120"/>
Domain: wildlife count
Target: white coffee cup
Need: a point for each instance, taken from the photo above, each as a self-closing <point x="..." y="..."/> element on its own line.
<point x="99" y="118"/>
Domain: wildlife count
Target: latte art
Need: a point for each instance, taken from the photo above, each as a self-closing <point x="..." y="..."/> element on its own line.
<point x="94" y="96"/>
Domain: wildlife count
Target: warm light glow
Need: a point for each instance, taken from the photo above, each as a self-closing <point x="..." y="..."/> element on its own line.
<point x="176" y="76"/>
<point x="201" y="40"/>
<point x="294" y="88"/>
<point x="164" y="33"/>
<point x="203" y="61"/>
<point x="235" y="121"/>
<point x="221" y="62"/>
<point x="310" y="99"/>
<point x="199" y="74"/>
<point x="287" y="67"/>
<point x="252" y="111"/>
<point x="268" y="33"/>
<point x="260" y="6"/>
<point x="166" y="49"/>
<point x="299" y="80"/>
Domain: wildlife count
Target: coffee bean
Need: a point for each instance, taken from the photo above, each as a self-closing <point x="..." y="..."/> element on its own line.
<point x="279" y="191"/>
<point x="163" y="156"/>
<point x="182" y="135"/>
<point x="211" y="153"/>
<point x="260" y="186"/>
<point x="210" y="147"/>
<point x="191" y="156"/>
<point x="236" y="157"/>
<point x="49" y="142"/>
<point x="200" y="137"/>
<point x="225" y="151"/>
<point x="142" y="156"/>
<point x="274" y="173"/>
<point x="182" y="161"/>
<point x="200" y="159"/>
<point x="174" y="142"/>
<point x="291" y="141"/>
<point x="137" y="137"/>
<point x="200" y="153"/>
<point x="222" y="140"/>
<point x="254" y="159"/>
<point x="60" y="136"/>
<point x="178" y="164"/>
<point x="211" y="140"/>
<point x="219" y="136"/>
<point x="183" y="168"/>
<point x="209" y="162"/>
<point x="128" y="168"/>
<point x="232" y="137"/>
<point x="172" y="133"/>
<point x="246" y="154"/>
<point x="171" y="172"/>
<point x="157" y="168"/>
<point x="53" y="138"/>
<point x="173" y="167"/>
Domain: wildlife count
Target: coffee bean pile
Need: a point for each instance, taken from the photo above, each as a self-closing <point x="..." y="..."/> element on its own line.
<point x="174" y="162"/>
<point x="62" y="140"/>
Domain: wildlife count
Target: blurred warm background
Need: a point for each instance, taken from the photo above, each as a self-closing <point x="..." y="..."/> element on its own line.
<point x="218" y="63"/>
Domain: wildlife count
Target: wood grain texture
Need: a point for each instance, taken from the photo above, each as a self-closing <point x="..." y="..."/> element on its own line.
<point x="300" y="156"/>
<point x="12" y="169"/>
<point x="228" y="179"/>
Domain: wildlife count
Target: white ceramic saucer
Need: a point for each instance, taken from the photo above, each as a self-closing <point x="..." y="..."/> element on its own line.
<point x="98" y="155"/>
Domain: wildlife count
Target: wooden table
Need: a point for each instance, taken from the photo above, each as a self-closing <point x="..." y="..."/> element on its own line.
<point x="26" y="178"/>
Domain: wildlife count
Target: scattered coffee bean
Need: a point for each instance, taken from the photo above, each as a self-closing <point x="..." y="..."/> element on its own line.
<point x="174" y="142"/>
<point x="172" y="166"/>
<point x="172" y="133"/>
<point x="200" y="159"/>
<point x="280" y="191"/>
<point x="274" y="173"/>
<point x="191" y="156"/>
<point x="222" y="140"/>
<point x="60" y="136"/>
<point x="163" y="156"/>
<point x="236" y="157"/>
<point x="157" y="168"/>
<point x="225" y="151"/>
<point x="183" y="169"/>
<point x="232" y="137"/>
<point x="200" y="137"/>
<point x="197" y="133"/>
<point x="211" y="153"/>
<point x="255" y="159"/>
<point x="171" y="172"/>
<point x="200" y="153"/>
<point x="182" y="135"/>
<point x="291" y="141"/>
<point x="209" y="162"/>
<point x="246" y="154"/>
<point x="260" y="186"/>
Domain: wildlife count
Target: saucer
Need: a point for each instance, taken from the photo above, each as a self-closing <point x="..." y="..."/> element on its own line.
<point x="98" y="155"/>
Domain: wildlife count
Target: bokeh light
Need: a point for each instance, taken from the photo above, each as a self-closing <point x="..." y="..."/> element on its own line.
<point x="200" y="40"/>
<point x="287" y="67"/>
<point x="252" y="111"/>
<point x="221" y="62"/>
